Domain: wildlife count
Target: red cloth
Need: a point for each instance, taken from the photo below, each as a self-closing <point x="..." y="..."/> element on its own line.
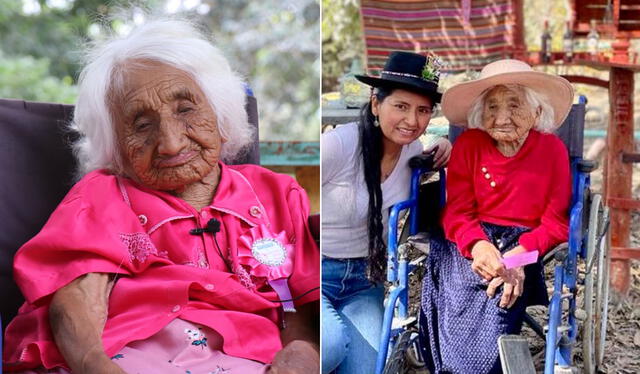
<point x="110" y="224"/>
<point x="532" y="189"/>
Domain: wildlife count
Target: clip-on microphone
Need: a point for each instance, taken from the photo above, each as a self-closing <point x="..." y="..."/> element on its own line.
<point x="213" y="227"/>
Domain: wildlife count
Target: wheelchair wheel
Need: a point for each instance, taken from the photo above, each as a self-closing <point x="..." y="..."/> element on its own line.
<point x="405" y="354"/>
<point x="602" y="303"/>
<point x="596" y="286"/>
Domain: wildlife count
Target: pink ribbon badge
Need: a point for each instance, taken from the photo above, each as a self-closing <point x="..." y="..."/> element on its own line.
<point x="270" y="256"/>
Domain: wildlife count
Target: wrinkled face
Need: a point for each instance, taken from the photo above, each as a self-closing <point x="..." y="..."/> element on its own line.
<point x="506" y="115"/>
<point x="166" y="130"/>
<point x="403" y="115"/>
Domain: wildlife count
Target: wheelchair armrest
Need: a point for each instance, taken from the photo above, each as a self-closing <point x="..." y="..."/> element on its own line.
<point x="420" y="241"/>
<point x="587" y="166"/>
<point x="559" y="253"/>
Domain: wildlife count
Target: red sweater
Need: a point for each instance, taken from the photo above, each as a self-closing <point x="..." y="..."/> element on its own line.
<point x="531" y="189"/>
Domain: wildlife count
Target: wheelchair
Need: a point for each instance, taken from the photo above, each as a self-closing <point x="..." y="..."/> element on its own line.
<point x="582" y="261"/>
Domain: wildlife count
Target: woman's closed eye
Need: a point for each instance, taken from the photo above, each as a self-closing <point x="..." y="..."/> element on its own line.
<point x="185" y="109"/>
<point x="426" y="110"/>
<point x="142" y="126"/>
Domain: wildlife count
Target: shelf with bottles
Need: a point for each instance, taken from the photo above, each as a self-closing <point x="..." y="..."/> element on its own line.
<point x="594" y="47"/>
<point x="577" y="58"/>
<point x="612" y="17"/>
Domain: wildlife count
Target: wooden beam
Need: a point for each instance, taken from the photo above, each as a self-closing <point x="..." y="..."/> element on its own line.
<point x="623" y="204"/>
<point x="631" y="157"/>
<point x="617" y="176"/>
<point x="618" y="253"/>
<point x="587" y="80"/>
<point x="520" y="48"/>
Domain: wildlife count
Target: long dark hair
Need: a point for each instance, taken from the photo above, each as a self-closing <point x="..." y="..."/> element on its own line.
<point x="371" y="145"/>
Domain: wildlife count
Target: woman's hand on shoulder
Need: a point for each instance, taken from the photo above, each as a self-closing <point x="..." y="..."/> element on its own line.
<point x="442" y="154"/>
<point x="297" y="357"/>
<point x="487" y="261"/>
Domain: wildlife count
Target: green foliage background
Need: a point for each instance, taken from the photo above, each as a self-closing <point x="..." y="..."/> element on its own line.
<point x="275" y="44"/>
<point x="341" y="39"/>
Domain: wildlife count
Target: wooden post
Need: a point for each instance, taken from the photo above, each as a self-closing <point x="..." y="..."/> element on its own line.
<point x="519" y="47"/>
<point x="617" y="174"/>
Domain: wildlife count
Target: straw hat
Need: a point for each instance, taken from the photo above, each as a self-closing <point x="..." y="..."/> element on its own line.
<point x="457" y="100"/>
<point x="410" y="71"/>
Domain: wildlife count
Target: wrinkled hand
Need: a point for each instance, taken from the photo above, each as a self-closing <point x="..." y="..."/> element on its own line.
<point x="513" y="280"/>
<point x="487" y="260"/>
<point x="442" y="153"/>
<point x="297" y="357"/>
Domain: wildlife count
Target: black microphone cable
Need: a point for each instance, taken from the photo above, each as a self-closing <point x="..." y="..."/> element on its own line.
<point x="295" y="298"/>
<point x="213" y="227"/>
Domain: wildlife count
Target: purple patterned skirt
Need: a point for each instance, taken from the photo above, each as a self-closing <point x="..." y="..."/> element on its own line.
<point x="459" y="324"/>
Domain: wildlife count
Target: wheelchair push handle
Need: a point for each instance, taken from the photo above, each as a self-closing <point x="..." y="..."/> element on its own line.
<point x="424" y="161"/>
<point x="587" y="166"/>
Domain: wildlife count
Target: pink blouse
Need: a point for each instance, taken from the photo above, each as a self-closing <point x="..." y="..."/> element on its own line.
<point x="110" y="224"/>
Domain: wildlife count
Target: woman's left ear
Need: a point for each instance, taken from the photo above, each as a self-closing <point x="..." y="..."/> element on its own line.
<point x="374" y="105"/>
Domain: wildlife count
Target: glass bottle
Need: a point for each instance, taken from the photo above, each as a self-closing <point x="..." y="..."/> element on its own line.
<point x="567" y="43"/>
<point x="607" y="19"/>
<point x="592" y="40"/>
<point x="545" y="47"/>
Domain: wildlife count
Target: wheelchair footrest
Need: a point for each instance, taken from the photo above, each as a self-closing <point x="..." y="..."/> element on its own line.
<point x="403" y="323"/>
<point x="515" y="356"/>
<point x="565" y="370"/>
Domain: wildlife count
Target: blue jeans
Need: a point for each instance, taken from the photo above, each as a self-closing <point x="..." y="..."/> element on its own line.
<point x="352" y="312"/>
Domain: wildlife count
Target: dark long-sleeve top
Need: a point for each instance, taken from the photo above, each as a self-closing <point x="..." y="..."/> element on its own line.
<point x="530" y="189"/>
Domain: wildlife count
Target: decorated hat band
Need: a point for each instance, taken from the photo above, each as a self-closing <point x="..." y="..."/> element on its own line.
<point x="407" y="70"/>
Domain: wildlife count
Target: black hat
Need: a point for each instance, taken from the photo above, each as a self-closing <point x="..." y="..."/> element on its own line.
<point x="417" y="73"/>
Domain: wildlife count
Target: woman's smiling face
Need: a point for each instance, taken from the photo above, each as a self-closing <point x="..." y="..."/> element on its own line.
<point x="403" y="115"/>
<point x="166" y="130"/>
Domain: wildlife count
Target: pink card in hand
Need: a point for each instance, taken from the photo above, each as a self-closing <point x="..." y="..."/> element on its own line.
<point x="521" y="259"/>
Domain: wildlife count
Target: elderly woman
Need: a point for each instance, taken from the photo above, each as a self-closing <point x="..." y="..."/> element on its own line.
<point x="163" y="258"/>
<point x="508" y="192"/>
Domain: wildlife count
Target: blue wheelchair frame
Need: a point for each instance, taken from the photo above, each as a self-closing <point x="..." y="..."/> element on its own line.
<point x="561" y="335"/>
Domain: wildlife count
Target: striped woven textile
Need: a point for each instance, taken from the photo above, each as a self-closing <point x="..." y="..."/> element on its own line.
<point x="464" y="33"/>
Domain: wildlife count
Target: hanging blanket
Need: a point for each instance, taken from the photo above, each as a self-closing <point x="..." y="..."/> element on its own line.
<point x="464" y="33"/>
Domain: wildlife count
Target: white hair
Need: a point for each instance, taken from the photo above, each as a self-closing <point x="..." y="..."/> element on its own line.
<point x="170" y="41"/>
<point x="535" y="100"/>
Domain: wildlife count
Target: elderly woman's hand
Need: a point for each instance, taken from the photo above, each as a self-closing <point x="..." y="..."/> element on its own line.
<point x="442" y="148"/>
<point x="487" y="261"/>
<point x="297" y="357"/>
<point x="513" y="280"/>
